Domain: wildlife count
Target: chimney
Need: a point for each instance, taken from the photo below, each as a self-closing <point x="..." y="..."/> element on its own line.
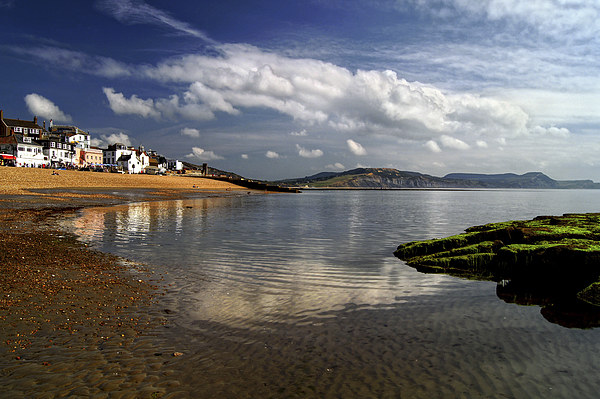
<point x="1" y="114"/>
<point x="35" y="120"/>
<point x="44" y="125"/>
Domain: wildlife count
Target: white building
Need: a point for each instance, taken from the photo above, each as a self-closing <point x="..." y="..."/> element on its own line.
<point x="114" y="152"/>
<point x="130" y="163"/>
<point x="29" y="153"/>
<point x="58" y="153"/>
<point x="174" y="164"/>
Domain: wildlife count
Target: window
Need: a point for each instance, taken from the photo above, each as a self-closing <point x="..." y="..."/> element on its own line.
<point x="21" y="148"/>
<point x="18" y="129"/>
<point x="26" y="139"/>
<point x="52" y="144"/>
<point x="24" y="130"/>
<point x="28" y="149"/>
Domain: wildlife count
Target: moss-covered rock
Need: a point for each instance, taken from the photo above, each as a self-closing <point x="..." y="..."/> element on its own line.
<point x="562" y="251"/>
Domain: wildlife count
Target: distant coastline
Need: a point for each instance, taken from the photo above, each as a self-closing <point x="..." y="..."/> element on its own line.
<point x="392" y="179"/>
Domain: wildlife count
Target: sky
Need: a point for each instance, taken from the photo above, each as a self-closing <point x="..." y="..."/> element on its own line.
<point x="282" y="89"/>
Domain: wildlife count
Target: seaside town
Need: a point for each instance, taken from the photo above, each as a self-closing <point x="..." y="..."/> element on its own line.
<point x="26" y="143"/>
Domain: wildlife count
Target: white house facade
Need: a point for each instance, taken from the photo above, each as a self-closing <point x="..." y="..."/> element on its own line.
<point x="29" y="152"/>
<point x="130" y="163"/>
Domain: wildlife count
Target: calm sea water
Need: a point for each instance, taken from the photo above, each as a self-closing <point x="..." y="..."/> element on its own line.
<point x="301" y="296"/>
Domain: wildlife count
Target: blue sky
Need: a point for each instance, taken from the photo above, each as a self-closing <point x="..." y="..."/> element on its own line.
<point x="277" y="89"/>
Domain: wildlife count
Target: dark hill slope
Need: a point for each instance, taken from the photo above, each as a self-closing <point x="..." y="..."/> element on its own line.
<point x="386" y="178"/>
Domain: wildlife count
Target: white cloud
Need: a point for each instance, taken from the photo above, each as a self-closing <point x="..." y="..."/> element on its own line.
<point x="481" y="144"/>
<point x="579" y="18"/>
<point x="433" y="146"/>
<point x="303" y="152"/>
<point x="356" y="148"/>
<point x="551" y="131"/>
<point x="194" y="133"/>
<point x="336" y="166"/>
<point x="309" y="91"/>
<point x="203" y="155"/>
<point x="77" y="61"/>
<point x="139" y="12"/>
<point x="108" y="139"/>
<point x="133" y="105"/>
<point x="501" y="141"/>
<point x="198" y="92"/>
<point x="272" y="154"/>
<point x="316" y="92"/>
<point x="452" y="142"/>
<point x="41" y="106"/>
<point x="244" y="156"/>
<point x="164" y="107"/>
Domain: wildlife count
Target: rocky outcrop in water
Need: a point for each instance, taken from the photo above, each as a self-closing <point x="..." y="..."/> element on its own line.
<point x="543" y="261"/>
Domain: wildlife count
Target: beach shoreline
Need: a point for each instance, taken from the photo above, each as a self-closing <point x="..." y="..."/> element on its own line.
<point x="63" y="301"/>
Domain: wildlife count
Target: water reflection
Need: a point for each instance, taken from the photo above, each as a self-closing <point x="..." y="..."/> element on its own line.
<point x="288" y="258"/>
<point x="273" y="265"/>
<point x="300" y="296"/>
<point x="557" y="299"/>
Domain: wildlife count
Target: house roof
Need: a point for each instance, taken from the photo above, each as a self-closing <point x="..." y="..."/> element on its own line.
<point x="18" y="122"/>
<point x="20" y="140"/>
<point x="124" y="158"/>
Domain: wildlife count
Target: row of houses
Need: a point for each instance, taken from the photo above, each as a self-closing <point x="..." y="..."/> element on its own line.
<point x="27" y="144"/>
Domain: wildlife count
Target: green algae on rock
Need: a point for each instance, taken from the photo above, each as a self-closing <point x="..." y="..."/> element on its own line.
<point x="548" y="249"/>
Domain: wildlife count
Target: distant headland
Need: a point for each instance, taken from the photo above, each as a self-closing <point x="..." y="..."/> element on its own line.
<point x="387" y="178"/>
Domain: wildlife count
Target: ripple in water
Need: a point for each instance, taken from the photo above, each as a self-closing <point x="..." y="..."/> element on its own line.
<point x="300" y="295"/>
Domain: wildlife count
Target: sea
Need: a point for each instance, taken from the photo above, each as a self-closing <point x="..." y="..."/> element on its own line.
<point x="300" y="295"/>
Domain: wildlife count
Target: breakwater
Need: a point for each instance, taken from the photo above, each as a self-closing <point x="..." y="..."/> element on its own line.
<point x="253" y="184"/>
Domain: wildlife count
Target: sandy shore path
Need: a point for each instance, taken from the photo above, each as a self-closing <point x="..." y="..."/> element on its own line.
<point x="73" y="320"/>
<point x="15" y="181"/>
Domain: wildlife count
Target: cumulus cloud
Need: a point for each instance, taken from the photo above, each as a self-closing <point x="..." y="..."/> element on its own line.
<point x="108" y="139"/>
<point x="194" y="133"/>
<point x="203" y="155"/>
<point x="316" y="92"/>
<point x="355" y="147"/>
<point x="307" y="90"/>
<point x="433" y="146"/>
<point x="41" y="106"/>
<point x="301" y="133"/>
<point x="551" y="131"/>
<point x="304" y="153"/>
<point x="336" y="166"/>
<point x="139" y="12"/>
<point x="272" y="154"/>
<point x="481" y="144"/>
<point x="454" y="143"/>
<point x="133" y="105"/>
<point x="311" y="92"/>
<point x="244" y="156"/>
<point x="170" y="107"/>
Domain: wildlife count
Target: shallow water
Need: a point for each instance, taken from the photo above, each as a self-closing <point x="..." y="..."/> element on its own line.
<point x="300" y="296"/>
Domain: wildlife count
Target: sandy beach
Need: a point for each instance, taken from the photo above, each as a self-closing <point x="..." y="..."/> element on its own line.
<point x="20" y="181"/>
<point x="70" y="316"/>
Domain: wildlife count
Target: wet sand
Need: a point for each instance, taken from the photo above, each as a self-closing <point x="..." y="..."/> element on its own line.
<point x="74" y="321"/>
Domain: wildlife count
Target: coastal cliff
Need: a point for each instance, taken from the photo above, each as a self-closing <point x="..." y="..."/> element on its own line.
<point x="387" y="178"/>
